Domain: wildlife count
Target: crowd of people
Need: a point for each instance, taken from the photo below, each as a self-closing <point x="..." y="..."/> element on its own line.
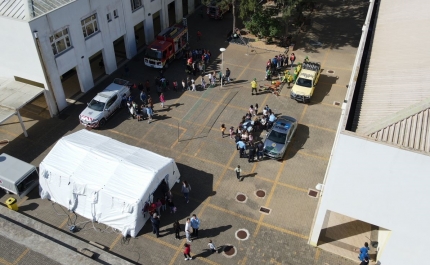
<point x="245" y="133"/>
<point x="191" y="226"/>
<point x="275" y="66"/>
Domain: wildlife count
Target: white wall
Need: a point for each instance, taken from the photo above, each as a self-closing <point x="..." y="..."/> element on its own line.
<point x="382" y="185"/>
<point x="70" y="16"/>
<point x="19" y="55"/>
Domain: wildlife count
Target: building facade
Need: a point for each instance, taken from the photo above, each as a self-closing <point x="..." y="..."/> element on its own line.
<point x="66" y="45"/>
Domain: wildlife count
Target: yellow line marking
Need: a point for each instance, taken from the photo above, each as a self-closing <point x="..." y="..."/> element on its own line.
<point x="21" y="256"/>
<point x="22" y="201"/>
<point x="5" y="262"/>
<point x="282" y="184"/>
<point x="64" y="222"/>
<point x="314" y="156"/>
<point x="303" y="112"/>
<point x="244" y="260"/>
<point x="280" y="229"/>
<point x="317" y="254"/>
<point x="117" y="239"/>
<point x="318" y="127"/>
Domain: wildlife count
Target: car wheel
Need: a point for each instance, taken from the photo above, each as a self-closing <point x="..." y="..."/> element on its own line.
<point x="102" y="122"/>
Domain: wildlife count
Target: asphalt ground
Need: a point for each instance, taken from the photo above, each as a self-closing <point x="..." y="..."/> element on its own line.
<point x="188" y="131"/>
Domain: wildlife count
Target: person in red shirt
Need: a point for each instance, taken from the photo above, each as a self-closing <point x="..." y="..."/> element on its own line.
<point x="187" y="252"/>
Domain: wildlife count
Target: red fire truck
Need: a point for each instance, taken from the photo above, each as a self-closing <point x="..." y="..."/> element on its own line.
<point x="216" y="9"/>
<point x="168" y="44"/>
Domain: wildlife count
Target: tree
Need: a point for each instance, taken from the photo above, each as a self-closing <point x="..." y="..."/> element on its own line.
<point x="248" y="8"/>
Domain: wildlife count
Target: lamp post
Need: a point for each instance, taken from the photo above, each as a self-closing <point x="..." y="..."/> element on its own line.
<point x="222" y="50"/>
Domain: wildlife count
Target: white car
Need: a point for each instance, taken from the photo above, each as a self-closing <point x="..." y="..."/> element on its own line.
<point x="102" y="106"/>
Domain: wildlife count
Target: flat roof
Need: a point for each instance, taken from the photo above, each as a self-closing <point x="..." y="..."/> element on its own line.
<point x="14" y="95"/>
<point x="393" y="102"/>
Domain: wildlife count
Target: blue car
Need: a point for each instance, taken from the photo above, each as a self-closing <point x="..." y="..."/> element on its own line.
<point x="279" y="136"/>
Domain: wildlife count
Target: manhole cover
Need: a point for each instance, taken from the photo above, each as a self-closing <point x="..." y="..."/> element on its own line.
<point x="330" y="72"/>
<point x="229" y="251"/>
<point x="265" y="210"/>
<point x="260" y="193"/>
<point x="240" y="197"/>
<point x="313" y="193"/>
<point x="242" y="234"/>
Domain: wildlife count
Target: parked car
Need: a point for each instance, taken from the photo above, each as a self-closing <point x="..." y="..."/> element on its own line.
<point x="105" y="104"/>
<point x="279" y="136"/>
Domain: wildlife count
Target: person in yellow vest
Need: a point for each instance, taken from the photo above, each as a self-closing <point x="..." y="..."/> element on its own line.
<point x="254" y="86"/>
<point x="288" y="78"/>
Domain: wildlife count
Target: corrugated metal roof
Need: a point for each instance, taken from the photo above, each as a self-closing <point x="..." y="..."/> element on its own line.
<point x="397" y="76"/>
<point x="41" y="7"/>
<point x="12" y="8"/>
<point x="17" y="8"/>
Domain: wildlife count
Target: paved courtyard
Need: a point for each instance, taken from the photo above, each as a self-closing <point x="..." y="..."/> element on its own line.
<point x="188" y="131"/>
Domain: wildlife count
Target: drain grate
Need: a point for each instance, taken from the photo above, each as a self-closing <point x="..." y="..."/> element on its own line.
<point x="313" y="193"/>
<point x="242" y="234"/>
<point x="265" y="210"/>
<point x="336" y="103"/>
<point x="240" y="197"/>
<point x="229" y="251"/>
<point x="260" y="193"/>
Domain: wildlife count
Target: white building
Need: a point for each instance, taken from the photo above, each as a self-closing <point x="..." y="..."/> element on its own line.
<point x="377" y="175"/>
<point x="48" y="43"/>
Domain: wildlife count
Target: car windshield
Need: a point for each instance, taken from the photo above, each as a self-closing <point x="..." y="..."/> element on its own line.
<point x="304" y="82"/>
<point x="277" y="137"/>
<point x="96" y="105"/>
<point x="150" y="53"/>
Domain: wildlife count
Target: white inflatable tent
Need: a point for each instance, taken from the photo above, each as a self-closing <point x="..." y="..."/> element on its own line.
<point x="103" y="179"/>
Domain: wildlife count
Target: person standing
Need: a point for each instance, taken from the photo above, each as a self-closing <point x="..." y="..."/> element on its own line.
<point x="222" y="130"/>
<point x="238" y="171"/>
<point x="171" y="205"/>
<point x="186" y="188"/>
<point x="292" y="59"/>
<point x="364" y="251"/>
<point x="155" y="224"/>
<point x="259" y="148"/>
<point x="251" y="153"/>
<point x="241" y="145"/>
<point x="256" y="109"/>
<point x="195" y="224"/>
<point x="143" y="97"/>
<point x="254" y="86"/>
<point x="149" y="112"/>
<point x="162" y="100"/>
<point x="151" y="103"/>
<point x="227" y="75"/>
<point x="159" y="204"/>
<point x="187" y="252"/>
<point x="188" y="230"/>
<point x="251" y="110"/>
<point x="177" y="229"/>
<point x="203" y="83"/>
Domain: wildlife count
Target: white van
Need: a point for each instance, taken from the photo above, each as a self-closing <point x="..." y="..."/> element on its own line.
<point x="17" y="176"/>
<point x="102" y="106"/>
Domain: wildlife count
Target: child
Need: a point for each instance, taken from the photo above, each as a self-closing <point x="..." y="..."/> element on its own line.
<point x="203" y="83"/>
<point x="256" y="109"/>
<point x="251" y="110"/>
<point x="162" y="100"/>
<point x="231" y="132"/>
<point x="175" y="86"/>
<point x="222" y="130"/>
<point x="171" y="205"/>
<point x="212" y="247"/>
<point x="193" y="85"/>
<point x="177" y="229"/>
<point x="187" y="252"/>
<point x="183" y="85"/>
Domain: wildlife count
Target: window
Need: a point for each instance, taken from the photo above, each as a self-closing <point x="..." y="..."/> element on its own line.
<point x="135" y="4"/>
<point x="109" y="17"/>
<point x="60" y="41"/>
<point x="115" y="13"/>
<point x="111" y="101"/>
<point x="89" y="25"/>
